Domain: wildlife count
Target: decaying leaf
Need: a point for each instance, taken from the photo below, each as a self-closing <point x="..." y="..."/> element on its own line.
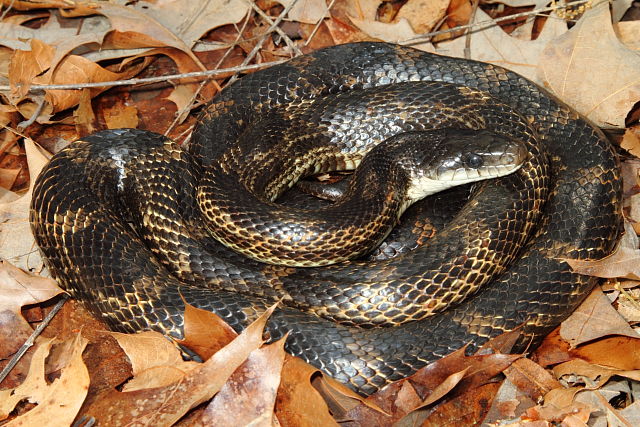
<point x="422" y="15"/>
<point x="530" y="378"/>
<point x="18" y="289"/>
<point x="121" y="116"/>
<point x="16" y="242"/>
<point x="495" y="46"/>
<point x="611" y="84"/>
<point x="155" y="361"/>
<point x="248" y="397"/>
<point x="205" y="332"/>
<point x="598" y="375"/>
<point x="594" y="318"/>
<point x="624" y="262"/>
<point x="165" y="405"/>
<point x="298" y="402"/>
<point x="59" y="400"/>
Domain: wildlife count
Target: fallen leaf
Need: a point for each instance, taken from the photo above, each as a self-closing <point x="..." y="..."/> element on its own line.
<point x="508" y="403"/>
<point x="248" y="397"/>
<point x="121" y="116"/>
<point x="598" y="375"/>
<point x="85" y="119"/>
<point x="166" y="405"/>
<point x="594" y="318"/>
<point x="530" y="378"/>
<point x="625" y="357"/>
<point x="550" y="413"/>
<point x="629" y="33"/>
<point x="396" y="32"/>
<point x="495" y="46"/>
<point x="611" y="87"/>
<point x="631" y="140"/>
<point x="18" y="289"/>
<point x="297" y="402"/>
<point x="16" y="242"/>
<point x="205" y="332"/>
<point x="155" y="361"/>
<point x="8" y="177"/>
<point x="61" y="399"/>
<point x="469" y="408"/>
<point x="170" y="18"/>
<point x="631" y="413"/>
<point x="306" y="11"/>
<point x="444" y="380"/>
<point x="624" y="262"/>
<point x="422" y="15"/>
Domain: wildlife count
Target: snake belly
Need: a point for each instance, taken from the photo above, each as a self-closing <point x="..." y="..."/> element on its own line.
<point x="91" y="249"/>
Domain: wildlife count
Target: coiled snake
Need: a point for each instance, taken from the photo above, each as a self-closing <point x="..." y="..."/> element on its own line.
<point x="82" y="210"/>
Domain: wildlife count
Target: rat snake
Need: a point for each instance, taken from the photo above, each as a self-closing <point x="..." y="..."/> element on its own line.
<point x="81" y="215"/>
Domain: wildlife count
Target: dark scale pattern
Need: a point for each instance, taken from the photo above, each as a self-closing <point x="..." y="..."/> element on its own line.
<point x="82" y="226"/>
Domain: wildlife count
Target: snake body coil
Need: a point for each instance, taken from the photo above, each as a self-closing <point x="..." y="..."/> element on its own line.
<point x="85" y="199"/>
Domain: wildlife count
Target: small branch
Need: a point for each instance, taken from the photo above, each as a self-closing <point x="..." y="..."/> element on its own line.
<point x="32" y="338"/>
<point x="195" y="74"/>
<point x="486" y="24"/>
<point x="278" y="30"/>
<point x="317" y="26"/>
<point x="262" y="39"/>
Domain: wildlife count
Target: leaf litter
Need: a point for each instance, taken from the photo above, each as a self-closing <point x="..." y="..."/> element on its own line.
<point x="574" y="377"/>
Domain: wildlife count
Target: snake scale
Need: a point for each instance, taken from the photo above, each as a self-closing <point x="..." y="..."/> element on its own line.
<point x="81" y="219"/>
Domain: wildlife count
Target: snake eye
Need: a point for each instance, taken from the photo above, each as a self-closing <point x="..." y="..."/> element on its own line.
<point x="473" y="160"/>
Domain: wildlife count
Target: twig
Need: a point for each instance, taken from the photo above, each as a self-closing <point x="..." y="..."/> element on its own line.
<point x="467" y="42"/>
<point x="192" y="101"/>
<point x="195" y="74"/>
<point x="4" y="14"/>
<point x="32" y="338"/>
<point x="486" y="24"/>
<point x="262" y="39"/>
<point x="244" y="67"/>
<point x="278" y="30"/>
<point x="317" y="27"/>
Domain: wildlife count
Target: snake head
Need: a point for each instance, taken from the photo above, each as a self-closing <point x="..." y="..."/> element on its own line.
<point x="444" y="158"/>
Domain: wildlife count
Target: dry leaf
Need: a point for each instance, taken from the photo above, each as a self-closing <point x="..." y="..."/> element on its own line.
<point x="155" y="361"/>
<point x="60" y="400"/>
<point x="83" y="115"/>
<point x="166" y="405"/>
<point x="495" y="46"/>
<point x="598" y="375"/>
<point x="306" y="11"/>
<point x="121" y="116"/>
<point x="396" y="32"/>
<point x="298" y="403"/>
<point x="448" y="378"/>
<point x="594" y="318"/>
<point x="469" y="408"/>
<point x="18" y="289"/>
<point x="173" y="17"/>
<point x="8" y="177"/>
<point x="530" y="378"/>
<point x="508" y="403"/>
<point x="249" y="396"/>
<point x="205" y="332"/>
<point x="16" y="242"/>
<point x="423" y="15"/>
<point x="624" y="262"/>
<point x="611" y="84"/>
<point x="629" y="33"/>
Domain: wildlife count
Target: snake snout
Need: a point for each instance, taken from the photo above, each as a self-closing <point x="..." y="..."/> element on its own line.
<point x="469" y="155"/>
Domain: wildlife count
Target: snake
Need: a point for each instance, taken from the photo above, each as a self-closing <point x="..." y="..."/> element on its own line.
<point x="365" y="323"/>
